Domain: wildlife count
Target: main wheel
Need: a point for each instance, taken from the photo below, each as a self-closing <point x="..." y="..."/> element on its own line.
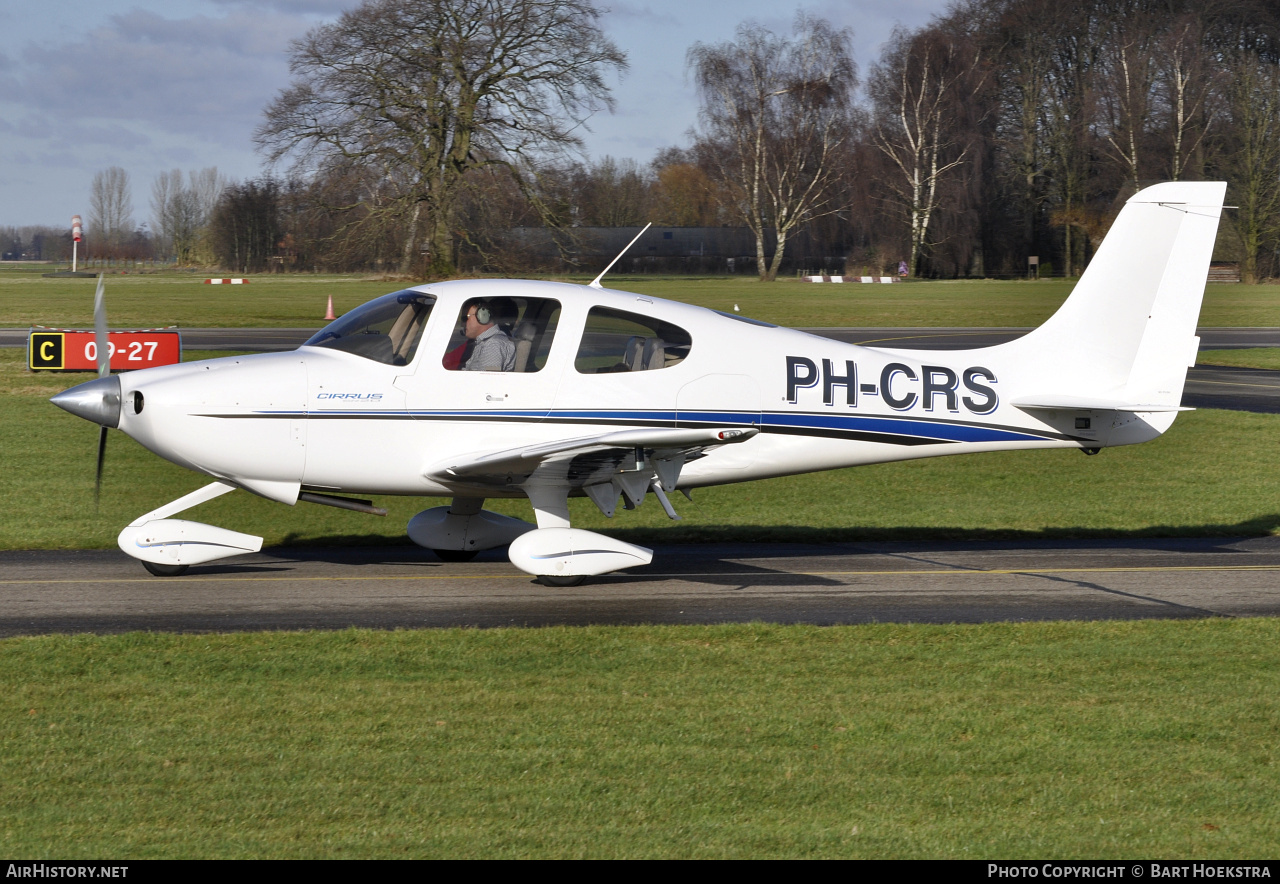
<point x="550" y="580"/>
<point x="165" y="570"/>
<point x="456" y="555"/>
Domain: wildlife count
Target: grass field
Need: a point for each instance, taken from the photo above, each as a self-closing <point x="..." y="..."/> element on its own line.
<point x="1257" y="357"/>
<point x="150" y="300"/>
<point x="1131" y="739"/>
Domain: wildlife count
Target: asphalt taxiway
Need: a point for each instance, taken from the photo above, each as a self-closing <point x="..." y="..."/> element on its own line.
<point x="405" y="587"/>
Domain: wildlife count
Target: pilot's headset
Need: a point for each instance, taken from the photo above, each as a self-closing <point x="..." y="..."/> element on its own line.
<point x="483" y="313"/>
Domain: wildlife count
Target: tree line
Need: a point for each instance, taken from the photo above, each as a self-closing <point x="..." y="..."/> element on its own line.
<point x="417" y="135"/>
<point x="1010" y="128"/>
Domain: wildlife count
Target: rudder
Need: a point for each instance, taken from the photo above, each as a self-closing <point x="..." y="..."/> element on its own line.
<point x="1127" y="332"/>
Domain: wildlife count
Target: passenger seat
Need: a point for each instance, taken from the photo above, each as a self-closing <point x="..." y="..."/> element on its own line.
<point x="523" y="336"/>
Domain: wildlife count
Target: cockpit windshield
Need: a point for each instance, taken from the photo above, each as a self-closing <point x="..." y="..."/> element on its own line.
<point x="386" y="329"/>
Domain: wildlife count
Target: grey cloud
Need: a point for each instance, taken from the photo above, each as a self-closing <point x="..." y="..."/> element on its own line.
<point x="73" y="132"/>
<point x="640" y="13"/>
<point x="38" y="161"/>
<point x="208" y="77"/>
<point x="241" y="32"/>
<point x="297" y="7"/>
<point x="181" y="156"/>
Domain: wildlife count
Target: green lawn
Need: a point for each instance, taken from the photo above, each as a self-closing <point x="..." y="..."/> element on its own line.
<point x="1040" y="741"/>
<point x="1257" y="357"/>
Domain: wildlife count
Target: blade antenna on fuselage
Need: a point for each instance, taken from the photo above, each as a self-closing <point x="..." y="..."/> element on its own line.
<point x="595" y="283"/>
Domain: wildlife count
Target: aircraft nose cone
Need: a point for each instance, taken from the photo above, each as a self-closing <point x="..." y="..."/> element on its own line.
<point x="97" y="400"/>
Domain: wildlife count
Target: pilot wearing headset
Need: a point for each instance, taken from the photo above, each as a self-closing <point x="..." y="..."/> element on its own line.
<point x="493" y="350"/>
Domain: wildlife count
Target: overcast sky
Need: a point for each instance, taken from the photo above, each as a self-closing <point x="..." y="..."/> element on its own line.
<point x="152" y="85"/>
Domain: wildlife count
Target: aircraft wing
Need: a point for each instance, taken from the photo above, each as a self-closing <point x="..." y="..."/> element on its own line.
<point x="516" y="464"/>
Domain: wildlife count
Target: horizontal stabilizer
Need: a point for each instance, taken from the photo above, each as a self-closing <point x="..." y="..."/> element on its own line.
<point x="1085" y="403"/>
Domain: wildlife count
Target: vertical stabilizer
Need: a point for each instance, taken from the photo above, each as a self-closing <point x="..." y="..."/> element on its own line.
<point x="1127" y="332"/>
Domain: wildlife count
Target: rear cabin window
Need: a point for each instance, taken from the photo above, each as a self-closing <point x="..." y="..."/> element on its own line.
<point x="616" y="341"/>
<point x="502" y="334"/>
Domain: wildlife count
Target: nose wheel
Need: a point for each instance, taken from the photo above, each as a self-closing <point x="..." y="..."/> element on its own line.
<point x="549" y="580"/>
<point x="165" y="570"/>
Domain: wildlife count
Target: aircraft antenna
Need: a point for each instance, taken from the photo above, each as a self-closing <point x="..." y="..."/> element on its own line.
<point x="595" y="283"/>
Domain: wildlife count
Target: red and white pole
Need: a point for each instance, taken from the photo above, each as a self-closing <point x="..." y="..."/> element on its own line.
<point x="76" y="233"/>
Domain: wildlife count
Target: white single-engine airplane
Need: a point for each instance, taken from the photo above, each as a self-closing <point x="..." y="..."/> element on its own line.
<point x="614" y="395"/>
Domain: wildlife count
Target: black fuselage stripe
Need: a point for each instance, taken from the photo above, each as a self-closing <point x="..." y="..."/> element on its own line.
<point x="774" y="429"/>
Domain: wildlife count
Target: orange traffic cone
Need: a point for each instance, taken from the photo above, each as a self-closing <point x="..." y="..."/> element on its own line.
<point x="328" y="314"/>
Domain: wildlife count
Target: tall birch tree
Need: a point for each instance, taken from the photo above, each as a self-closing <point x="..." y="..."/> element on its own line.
<point x="915" y="90"/>
<point x="775" y="116"/>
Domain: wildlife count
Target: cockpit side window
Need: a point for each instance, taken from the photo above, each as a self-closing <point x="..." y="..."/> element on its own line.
<point x="502" y="334"/>
<point x="615" y="341"/>
<point x="386" y="330"/>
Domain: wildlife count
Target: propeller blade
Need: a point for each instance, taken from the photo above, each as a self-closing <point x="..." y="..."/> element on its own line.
<point x="100" y="330"/>
<point x="102" y="453"/>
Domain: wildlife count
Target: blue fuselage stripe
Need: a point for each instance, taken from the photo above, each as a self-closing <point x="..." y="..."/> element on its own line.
<point x="772" y="422"/>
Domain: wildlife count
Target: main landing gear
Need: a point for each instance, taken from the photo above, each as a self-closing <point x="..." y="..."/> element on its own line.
<point x="165" y="570"/>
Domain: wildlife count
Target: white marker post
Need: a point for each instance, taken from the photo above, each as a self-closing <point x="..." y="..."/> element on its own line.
<point x="76" y="233"/>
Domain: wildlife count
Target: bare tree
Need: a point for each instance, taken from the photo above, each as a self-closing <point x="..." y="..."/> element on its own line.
<point x="111" y="210"/>
<point x="775" y="114"/>
<point x="181" y="211"/>
<point x="173" y="215"/>
<point x="611" y="193"/>
<point x="421" y="92"/>
<point x="1186" y="83"/>
<point x="491" y="207"/>
<point x="1128" y="68"/>
<point x="684" y="195"/>
<point x="1017" y="53"/>
<point x="245" y="227"/>
<point x="206" y="188"/>
<point x="1253" y="102"/>
<point x="1070" y="109"/>
<point x="917" y="90"/>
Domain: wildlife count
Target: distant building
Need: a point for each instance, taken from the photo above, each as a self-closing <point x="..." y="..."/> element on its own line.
<point x="661" y="250"/>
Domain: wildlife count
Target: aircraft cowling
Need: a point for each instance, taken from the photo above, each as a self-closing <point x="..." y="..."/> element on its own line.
<point x="239" y="418"/>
